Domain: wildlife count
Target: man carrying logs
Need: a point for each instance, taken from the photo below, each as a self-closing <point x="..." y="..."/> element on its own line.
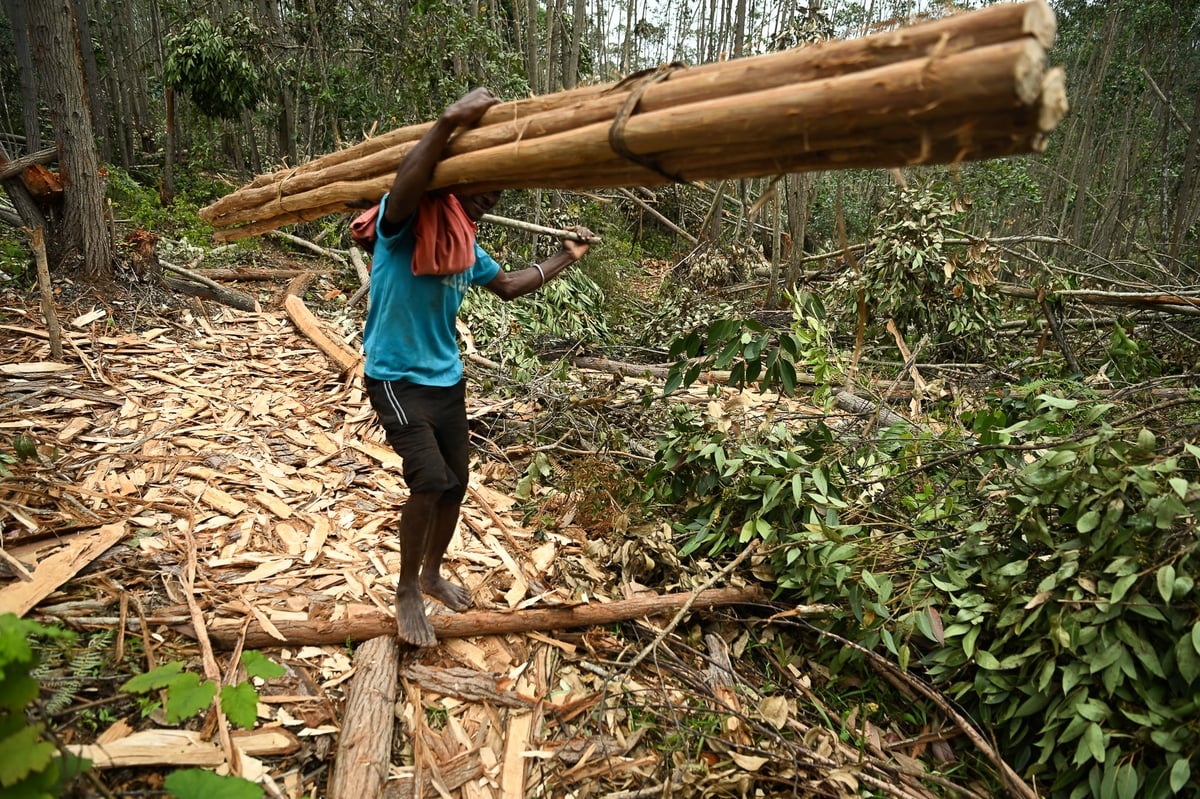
<point x="425" y="259"/>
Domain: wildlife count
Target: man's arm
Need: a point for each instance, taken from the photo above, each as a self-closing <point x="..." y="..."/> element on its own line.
<point x="510" y="285"/>
<point x="416" y="169"/>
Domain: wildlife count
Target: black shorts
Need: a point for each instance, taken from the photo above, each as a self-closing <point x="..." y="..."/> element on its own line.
<point x="427" y="427"/>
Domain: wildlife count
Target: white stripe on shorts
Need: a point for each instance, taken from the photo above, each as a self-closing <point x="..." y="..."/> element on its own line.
<point x="391" y="396"/>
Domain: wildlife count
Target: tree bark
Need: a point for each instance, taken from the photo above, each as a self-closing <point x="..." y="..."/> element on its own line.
<point x="226" y="632"/>
<point x="360" y="769"/>
<point x="931" y="113"/>
<point x="83" y="227"/>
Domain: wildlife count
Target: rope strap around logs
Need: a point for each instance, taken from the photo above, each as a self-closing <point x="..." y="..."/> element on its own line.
<point x="616" y="132"/>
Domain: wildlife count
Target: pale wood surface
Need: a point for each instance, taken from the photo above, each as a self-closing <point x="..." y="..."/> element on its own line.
<point x="58" y="568"/>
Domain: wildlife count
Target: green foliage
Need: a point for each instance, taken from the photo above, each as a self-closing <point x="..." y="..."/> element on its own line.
<point x="910" y="276"/>
<point x="197" y="783"/>
<point x="1072" y="620"/>
<point x="1132" y="360"/>
<point x="756" y="356"/>
<point x="188" y="695"/>
<point x="211" y="68"/>
<point x="1041" y="568"/>
<point x="30" y="765"/>
<point x="79" y="663"/>
<point x="569" y="311"/>
<point x="141" y="205"/>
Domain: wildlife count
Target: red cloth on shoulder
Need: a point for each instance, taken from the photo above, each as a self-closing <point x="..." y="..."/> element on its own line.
<point x="445" y="237"/>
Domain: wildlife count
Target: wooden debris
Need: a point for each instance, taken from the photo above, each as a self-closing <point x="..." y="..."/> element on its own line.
<point x="455" y="773"/>
<point x="971" y="86"/>
<point x="365" y="743"/>
<point x="21" y="597"/>
<point x="182" y="748"/>
<point x="483" y="622"/>
<point x="346" y="359"/>
<point x="38" y="244"/>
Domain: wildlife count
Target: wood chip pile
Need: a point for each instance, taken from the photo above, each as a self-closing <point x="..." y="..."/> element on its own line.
<point x="971" y="86"/>
<point x="196" y="487"/>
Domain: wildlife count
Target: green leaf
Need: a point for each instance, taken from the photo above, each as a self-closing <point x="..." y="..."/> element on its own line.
<point x="154" y="679"/>
<point x="240" y="703"/>
<point x="1180" y="485"/>
<point x="17" y="691"/>
<point x="987" y="660"/>
<point x="257" y="664"/>
<point x="1088" y="521"/>
<point x="1181" y="772"/>
<point x="1127" y="782"/>
<point x="1047" y="401"/>
<point x="1196" y="637"/>
<point x="187" y="696"/>
<point x="1121" y="587"/>
<point x="1166" y="582"/>
<point x="1091" y="742"/>
<point x="818" y="476"/>
<point x="22" y="754"/>
<point x="196" y="783"/>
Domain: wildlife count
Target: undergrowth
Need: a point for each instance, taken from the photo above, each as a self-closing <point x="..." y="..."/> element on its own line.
<point x="1037" y="565"/>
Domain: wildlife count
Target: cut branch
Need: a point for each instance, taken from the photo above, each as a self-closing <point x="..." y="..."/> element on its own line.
<point x="226" y="632"/>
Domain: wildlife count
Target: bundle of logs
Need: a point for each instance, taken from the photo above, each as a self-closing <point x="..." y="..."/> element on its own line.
<point x="971" y="86"/>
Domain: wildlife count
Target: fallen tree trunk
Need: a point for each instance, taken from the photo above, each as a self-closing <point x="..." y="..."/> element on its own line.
<point x="1165" y="303"/>
<point x="227" y="632"/>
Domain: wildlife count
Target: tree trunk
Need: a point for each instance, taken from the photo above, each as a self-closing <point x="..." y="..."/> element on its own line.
<point x="15" y="10"/>
<point x="571" y="71"/>
<point x="97" y="106"/>
<point x="627" y="45"/>
<point x="530" y="39"/>
<point x="739" y="30"/>
<point x="53" y="34"/>
<point x="166" y="189"/>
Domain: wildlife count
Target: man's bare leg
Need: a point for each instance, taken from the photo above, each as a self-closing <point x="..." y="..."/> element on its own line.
<point x="445" y="520"/>
<point x="416" y="526"/>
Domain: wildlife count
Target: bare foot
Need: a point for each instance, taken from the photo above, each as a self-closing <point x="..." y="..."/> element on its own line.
<point x="452" y="596"/>
<point x="411" y="625"/>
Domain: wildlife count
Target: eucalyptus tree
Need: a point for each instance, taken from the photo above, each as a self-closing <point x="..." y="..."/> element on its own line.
<point x="82" y="228"/>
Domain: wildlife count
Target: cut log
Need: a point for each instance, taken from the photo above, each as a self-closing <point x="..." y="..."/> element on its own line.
<point x="910" y="93"/>
<point x="226" y="632"/>
<point x="347" y="360"/>
<point x="838" y="105"/>
<point x="360" y="769"/>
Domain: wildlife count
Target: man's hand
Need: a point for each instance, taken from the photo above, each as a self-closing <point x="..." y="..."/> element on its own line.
<point x="416" y="168"/>
<point x="470" y="107"/>
<point x="577" y="249"/>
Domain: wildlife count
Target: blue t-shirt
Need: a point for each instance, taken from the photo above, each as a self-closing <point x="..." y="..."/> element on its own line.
<point x="410" y="333"/>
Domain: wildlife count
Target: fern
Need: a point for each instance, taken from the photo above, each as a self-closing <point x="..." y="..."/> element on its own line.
<point x="84" y="663"/>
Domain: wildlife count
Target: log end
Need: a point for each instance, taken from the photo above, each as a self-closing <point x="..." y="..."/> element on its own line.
<point x="1029" y="71"/>
<point x="1040" y="23"/>
<point x="1053" y="104"/>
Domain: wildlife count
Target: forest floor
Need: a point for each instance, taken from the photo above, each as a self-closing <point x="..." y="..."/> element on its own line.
<point x="197" y="471"/>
